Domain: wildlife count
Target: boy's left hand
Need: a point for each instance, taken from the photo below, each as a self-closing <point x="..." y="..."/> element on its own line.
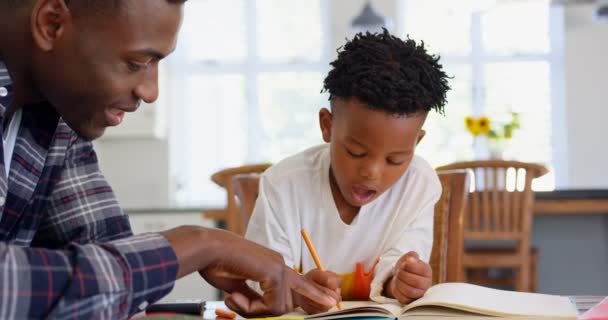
<point x="411" y="278"/>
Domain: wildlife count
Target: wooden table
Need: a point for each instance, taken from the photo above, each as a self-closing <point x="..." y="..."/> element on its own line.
<point x="571" y="202"/>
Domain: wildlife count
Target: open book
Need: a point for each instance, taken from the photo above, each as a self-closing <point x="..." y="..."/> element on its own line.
<point x="459" y="300"/>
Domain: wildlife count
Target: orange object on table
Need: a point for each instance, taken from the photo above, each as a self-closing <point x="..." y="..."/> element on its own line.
<point x="225" y="314"/>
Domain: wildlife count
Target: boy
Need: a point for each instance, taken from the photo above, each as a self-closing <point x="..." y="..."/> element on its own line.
<point x="365" y="199"/>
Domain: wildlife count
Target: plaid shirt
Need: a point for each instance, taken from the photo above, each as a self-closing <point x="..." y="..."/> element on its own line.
<point x="66" y="247"/>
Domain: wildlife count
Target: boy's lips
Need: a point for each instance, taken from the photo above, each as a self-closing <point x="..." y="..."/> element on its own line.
<point x="362" y="194"/>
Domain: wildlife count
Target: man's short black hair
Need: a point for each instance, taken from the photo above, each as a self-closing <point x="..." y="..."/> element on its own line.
<point x="388" y="74"/>
<point x="104" y="5"/>
<point x="91" y="4"/>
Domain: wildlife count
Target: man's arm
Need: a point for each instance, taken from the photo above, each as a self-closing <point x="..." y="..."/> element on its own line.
<point x="119" y="278"/>
<point x="227" y="261"/>
<point x="111" y="280"/>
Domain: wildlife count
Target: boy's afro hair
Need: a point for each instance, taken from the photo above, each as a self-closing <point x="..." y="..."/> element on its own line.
<point x="388" y="74"/>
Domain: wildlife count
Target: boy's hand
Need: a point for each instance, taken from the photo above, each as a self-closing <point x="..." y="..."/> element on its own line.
<point x="411" y="278"/>
<point x="327" y="281"/>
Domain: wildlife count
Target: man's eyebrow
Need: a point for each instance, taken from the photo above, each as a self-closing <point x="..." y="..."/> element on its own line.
<point x="152" y="53"/>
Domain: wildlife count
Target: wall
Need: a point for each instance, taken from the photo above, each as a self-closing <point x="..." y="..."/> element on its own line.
<point x="586" y="68"/>
<point x="137" y="169"/>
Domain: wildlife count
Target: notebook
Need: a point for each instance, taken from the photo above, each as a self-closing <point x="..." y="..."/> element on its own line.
<point x="461" y="300"/>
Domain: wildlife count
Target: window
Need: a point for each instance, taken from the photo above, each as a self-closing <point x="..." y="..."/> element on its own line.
<point x="501" y="61"/>
<point x="245" y="81"/>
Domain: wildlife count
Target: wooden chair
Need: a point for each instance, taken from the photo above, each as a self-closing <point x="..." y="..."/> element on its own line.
<point x="231" y="214"/>
<point x="246" y="188"/>
<point x="448" y="241"/>
<point x="500" y="210"/>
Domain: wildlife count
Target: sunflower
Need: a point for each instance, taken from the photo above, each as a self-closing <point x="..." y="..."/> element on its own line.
<point x="483" y="125"/>
<point x="471" y="125"/>
<point x="477" y="126"/>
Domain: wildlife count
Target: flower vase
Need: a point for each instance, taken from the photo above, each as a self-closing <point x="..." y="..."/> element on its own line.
<point x="496" y="148"/>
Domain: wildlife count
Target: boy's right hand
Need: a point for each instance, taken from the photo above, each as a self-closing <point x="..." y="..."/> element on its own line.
<point x="327" y="281"/>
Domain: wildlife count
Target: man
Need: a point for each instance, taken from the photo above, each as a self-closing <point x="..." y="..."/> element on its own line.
<point x="68" y="70"/>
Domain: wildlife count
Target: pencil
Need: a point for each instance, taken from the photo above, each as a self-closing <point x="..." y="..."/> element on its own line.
<point x="315" y="256"/>
<point x="225" y="314"/>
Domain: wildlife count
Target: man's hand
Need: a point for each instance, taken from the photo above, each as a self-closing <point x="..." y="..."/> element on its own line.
<point x="226" y="260"/>
<point x="327" y="281"/>
<point x="411" y="278"/>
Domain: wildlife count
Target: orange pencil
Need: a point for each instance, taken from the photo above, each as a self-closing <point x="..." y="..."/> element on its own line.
<point x="225" y="314"/>
<point x="314" y="255"/>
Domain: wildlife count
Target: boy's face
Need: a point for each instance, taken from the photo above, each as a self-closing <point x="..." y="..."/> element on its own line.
<point x="370" y="150"/>
<point x="93" y="69"/>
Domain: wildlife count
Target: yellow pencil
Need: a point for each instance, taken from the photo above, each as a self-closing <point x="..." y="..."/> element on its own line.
<point x="314" y="255"/>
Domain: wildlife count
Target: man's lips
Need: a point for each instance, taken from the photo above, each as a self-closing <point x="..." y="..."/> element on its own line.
<point x="114" y="116"/>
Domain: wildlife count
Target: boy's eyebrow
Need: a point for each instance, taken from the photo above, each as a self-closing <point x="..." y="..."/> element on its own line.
<point x="352" y="140"/>
<point x="400" y="152"/>
<point x="403" y="152"/>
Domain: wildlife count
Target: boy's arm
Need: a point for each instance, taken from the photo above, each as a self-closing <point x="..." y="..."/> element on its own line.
<point x="417" y="237"/>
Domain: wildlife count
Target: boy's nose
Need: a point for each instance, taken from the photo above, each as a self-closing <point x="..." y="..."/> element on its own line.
<point x="371" y="171"/>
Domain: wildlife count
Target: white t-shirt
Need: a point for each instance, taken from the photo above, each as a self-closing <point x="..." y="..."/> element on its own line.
<point x="9" y="138"/>
<point x="296" y="194"/>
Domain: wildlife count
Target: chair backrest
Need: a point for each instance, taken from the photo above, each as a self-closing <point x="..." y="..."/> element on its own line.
<point x="246" y="188"/>
<point x="501" y="199"/>
<point x="232" y="212"/>
<point x="448" y="241"/>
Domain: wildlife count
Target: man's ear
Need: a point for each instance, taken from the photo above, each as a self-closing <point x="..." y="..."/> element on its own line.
<point x="421" y="135"/>
<point x="325" y="121"/>
<point x="48" y="22"/>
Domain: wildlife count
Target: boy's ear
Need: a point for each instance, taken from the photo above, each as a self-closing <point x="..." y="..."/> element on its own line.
<point x="48" y="22"/>
<point x="421" y="135"/>
<point x="325" y="121"/>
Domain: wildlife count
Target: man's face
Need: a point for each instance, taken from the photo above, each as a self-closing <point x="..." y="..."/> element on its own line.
<point x="370" y="150"/>
<point x="104" y="65"/>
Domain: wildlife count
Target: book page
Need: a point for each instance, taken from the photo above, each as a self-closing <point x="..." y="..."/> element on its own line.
<point x="495" y="302"/>
<point x="350" y="309"/>
<point x="434" y="312"/>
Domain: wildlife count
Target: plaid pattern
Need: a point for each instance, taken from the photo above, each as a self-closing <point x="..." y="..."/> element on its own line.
<point x="66" y="247"/>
